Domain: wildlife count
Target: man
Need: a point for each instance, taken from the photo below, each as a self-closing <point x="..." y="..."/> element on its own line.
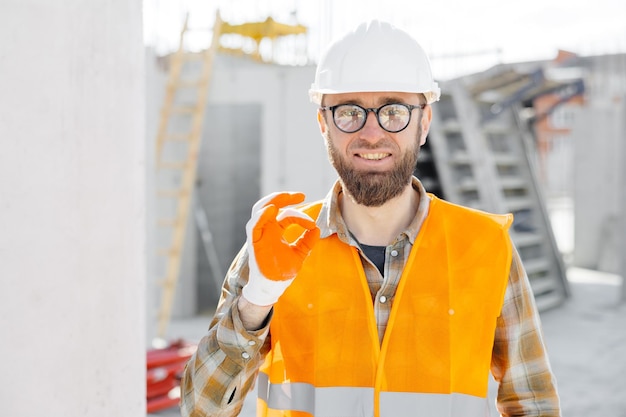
<point x="380" y="300"/>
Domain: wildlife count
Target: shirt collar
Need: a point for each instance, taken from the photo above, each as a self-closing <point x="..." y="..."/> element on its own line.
<point x="330" y="220"/>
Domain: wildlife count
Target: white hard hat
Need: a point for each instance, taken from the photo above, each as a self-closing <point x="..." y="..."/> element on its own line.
<point x="376" y="56"/>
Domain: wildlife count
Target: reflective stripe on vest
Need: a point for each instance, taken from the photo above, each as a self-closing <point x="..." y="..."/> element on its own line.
<point x="359" y="402"/>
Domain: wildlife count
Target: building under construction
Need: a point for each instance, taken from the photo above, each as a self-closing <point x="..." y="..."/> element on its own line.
<point x="492" y="146"/>
<point x="505" y="140"/>
<point x="128" y="178"/>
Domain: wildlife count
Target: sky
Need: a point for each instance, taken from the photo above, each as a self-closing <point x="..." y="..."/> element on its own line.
<point x="459" y="36"/>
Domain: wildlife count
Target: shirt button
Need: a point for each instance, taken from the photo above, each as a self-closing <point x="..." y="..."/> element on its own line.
<point x="383" y="299"/>
<point x="251" y="342"/>
<point x="451" y="311"/>
<point x="245" y="355"/>
<point x="394" y="253"/>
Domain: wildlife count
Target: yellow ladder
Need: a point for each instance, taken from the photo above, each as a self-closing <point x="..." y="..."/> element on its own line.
<point x="182" y="161"/>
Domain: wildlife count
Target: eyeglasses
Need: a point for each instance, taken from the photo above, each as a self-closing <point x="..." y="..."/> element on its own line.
<point x="393" y="118"/>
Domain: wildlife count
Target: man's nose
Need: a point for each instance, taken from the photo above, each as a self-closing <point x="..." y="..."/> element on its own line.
<point x="372" y="128"/>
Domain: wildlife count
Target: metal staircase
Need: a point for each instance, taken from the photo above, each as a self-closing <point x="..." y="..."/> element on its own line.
<point x="478" y="155"/>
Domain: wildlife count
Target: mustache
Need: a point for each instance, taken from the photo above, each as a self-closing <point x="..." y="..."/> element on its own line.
<point x="366" y="144"/>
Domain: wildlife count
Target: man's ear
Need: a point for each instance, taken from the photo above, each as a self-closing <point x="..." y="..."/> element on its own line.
<point x="426" y="119"/>
<point x="321" y="121"/>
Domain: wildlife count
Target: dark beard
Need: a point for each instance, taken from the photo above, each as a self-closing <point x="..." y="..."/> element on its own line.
<point x="373" y="189"/>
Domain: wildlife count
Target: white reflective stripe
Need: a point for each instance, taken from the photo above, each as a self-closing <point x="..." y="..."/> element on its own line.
<point x="320" y="402"/>
<point x="359" y="401"/>
<point x="406" y="404"/>
<point x="295" y="396"/>
<point x="344" y="402"/>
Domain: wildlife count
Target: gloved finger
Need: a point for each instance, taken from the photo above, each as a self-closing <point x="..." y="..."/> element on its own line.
<point x="258" y="221"/>
<point x="289" y="216"/>
<point x="284" y="214"/>
<point x="306" y="242"/>
<point x="280" y="199"/>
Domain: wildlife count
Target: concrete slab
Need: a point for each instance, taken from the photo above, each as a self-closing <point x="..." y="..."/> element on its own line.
<point x="585" y="337"/>
<point x="586" y="340"/>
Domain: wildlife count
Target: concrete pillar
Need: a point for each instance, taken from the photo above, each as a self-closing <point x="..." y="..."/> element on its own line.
<point x="72" y="267"/>
<point x="597" y="179"/>
<point x="622" y="190"/>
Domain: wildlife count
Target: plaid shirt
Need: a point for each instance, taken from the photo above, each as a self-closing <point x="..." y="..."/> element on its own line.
<point x="224" y="368"/>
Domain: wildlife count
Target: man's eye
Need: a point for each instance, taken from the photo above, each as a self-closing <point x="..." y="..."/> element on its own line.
<point x="349" y="113"/>
<point x="394" y="111"/>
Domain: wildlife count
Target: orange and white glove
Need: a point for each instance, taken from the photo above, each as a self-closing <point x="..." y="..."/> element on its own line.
<point x="273" y="261"/>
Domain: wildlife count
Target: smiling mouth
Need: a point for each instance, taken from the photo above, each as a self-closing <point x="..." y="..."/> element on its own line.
<point x="373" y="156"/>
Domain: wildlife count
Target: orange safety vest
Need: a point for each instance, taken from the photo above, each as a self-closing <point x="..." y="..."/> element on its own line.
<point x="326" y="359"/>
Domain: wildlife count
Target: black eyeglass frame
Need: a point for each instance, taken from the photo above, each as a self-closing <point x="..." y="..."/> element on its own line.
<point x="374" y="110"/>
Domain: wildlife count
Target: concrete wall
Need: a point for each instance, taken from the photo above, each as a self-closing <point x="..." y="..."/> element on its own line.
<point x="229" y="171"/>
<point x="72" y="269"/>
<point x="599" y="156"/>
<point x="622" y="192"/>
<point x="293" y="155"/>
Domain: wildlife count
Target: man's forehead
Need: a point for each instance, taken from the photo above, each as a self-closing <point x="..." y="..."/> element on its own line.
<point x="370" y="98"/>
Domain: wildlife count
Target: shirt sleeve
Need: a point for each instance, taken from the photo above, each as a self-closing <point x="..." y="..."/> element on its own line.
<point x="527" y="386"/>
<point x="223" y="369"/>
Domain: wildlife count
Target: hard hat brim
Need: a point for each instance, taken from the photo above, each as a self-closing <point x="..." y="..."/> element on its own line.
<point x="432" y="95"/>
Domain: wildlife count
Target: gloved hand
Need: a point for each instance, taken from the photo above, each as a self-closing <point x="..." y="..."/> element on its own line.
<point x="273" y="261"/>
